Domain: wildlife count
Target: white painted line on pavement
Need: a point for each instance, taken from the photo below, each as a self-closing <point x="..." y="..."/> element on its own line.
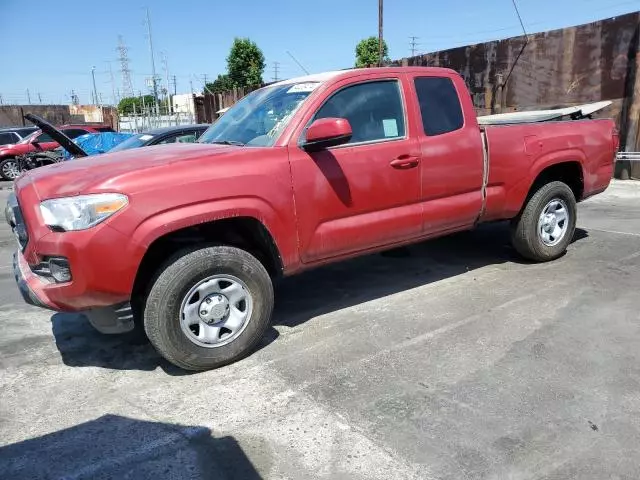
<point x="613" y="231"/>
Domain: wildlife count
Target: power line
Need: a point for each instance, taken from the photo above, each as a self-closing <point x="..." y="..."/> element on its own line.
<point x="297" y="62"/>
<point x="413" y="45"/>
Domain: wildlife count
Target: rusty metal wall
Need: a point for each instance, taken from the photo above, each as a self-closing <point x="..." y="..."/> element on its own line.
<point x="587" y="63"/>
<point x="12" y="115"/>
<point x="208" y="104"/>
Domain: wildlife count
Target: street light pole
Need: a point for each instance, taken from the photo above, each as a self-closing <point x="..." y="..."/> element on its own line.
<point x="380" y="40"/>
<point x="95" y="91"/>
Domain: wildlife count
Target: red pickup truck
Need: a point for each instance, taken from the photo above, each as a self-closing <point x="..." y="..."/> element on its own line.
<point x="188" y="238"/>
<point x="40" y="142"/>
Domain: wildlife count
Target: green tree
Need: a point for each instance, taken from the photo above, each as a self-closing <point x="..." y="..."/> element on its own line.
<point x="245" y="63"/>
<point x="367" y="52"/>
<point x="126" y="105"/>
<point x="221" y="84"/>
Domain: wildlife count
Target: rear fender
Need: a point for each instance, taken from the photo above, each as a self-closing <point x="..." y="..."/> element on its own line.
<point x="518" y="194"/>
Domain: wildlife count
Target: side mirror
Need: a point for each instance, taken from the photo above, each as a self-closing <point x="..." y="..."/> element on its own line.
<point x="327" y="132"/>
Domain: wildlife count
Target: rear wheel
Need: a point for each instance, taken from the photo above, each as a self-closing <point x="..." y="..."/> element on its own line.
<point x="9" y="169"/>
<point x="208" y="307"/>
<point x="544" y="229"/>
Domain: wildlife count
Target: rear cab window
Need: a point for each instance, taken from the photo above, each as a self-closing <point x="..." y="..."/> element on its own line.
<point x="439" y="103"/>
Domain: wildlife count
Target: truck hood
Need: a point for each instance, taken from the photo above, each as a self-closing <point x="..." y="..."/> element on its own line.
<point x="105" y="172"/>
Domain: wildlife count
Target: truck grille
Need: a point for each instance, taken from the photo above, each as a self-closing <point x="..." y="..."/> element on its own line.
<point x="15" y="220"/>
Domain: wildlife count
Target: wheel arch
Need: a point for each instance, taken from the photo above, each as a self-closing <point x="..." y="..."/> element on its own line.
<point x="565" y="166"/>
<point x="242" y="229"/>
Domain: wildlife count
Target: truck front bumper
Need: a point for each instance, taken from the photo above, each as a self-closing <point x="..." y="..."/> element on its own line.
<point x="110" y="319"/>
<point x="29" y="285"/>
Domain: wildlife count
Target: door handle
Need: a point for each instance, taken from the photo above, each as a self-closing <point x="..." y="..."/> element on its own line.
<point x="405" y="161"/>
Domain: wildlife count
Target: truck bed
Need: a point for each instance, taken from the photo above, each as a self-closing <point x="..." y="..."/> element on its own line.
<point x="518" y="153"/>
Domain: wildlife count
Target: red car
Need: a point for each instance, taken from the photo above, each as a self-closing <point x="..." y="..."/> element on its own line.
<point x="188" y="238"/>
<point x="40" y="141"/>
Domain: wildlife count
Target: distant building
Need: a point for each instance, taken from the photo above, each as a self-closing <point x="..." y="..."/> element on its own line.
<point x="183" y="103"/>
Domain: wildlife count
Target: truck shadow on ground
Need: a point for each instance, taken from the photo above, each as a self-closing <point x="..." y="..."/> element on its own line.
<point x="311" y="294"/>
<point x="118" y="447"/>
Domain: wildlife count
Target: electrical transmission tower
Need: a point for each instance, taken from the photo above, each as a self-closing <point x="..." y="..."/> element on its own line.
<point x="413" y="45"/>
<point x="276" y="65"/>
<point x="127" y="85"/>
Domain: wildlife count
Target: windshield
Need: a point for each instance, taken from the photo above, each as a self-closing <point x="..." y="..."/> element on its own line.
<point x="28" y="138"/>
<point x="133" y="142"/>
<point x="260" y="117"/>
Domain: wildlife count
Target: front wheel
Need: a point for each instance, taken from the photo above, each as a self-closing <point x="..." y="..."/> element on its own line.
<point x="208" y="307"/>
<point x="544" y="229"/>
<point x="9" y="169"/>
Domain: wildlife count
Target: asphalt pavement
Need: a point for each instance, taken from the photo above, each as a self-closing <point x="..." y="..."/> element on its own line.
<point x="456" y="360"/>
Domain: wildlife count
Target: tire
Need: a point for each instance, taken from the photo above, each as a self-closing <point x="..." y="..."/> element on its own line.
<point x="530" y="237"/>
<point x="173" y="287"/>
<point x="8" y="173"/>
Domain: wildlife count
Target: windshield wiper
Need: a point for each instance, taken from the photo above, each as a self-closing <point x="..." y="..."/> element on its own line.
<point x="228" y="142"/>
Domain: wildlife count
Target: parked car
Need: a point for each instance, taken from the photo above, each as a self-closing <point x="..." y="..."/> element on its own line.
<point x="161" y="136"/>
<point x="189" y="238"/>
<point x="98" y="143"/>
<point x="40" y="141"/>
<point x="11" y="135"/>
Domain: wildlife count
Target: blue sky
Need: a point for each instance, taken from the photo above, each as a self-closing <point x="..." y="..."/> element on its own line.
<point x="50" y="46"/>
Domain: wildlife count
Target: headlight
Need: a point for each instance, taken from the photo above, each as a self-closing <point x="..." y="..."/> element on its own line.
<point x="81" y="212"/>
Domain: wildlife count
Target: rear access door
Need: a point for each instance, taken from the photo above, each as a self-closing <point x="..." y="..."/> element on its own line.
<point x="451" y="151"/>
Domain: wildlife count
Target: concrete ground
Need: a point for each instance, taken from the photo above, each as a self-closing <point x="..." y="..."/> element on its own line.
<point x="458" y="361"/>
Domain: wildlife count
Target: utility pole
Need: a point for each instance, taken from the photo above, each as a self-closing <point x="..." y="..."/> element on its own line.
<point x="39" y="98"/>
<point x="204" y="75"/>
<point x="153" y="62"/>
<point x="297" y="62"/>
<point x="144" y="107"/>
<point x="113" y="85"/>
<point x="1" y="102"/>
<point x="165" y="65"/>
<point x="174" y="85"/>
<point x="413" y="45"/>
<point x="191" y="84"/>
<point x="74" y="98"/>
<point x="380" y="38"/>
<point x="95" y="90"/>
<point x="275" y="71"/>
<point x="28" y="96"/>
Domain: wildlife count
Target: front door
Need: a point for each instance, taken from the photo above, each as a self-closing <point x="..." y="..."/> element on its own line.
<point x="364" y="194"/>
